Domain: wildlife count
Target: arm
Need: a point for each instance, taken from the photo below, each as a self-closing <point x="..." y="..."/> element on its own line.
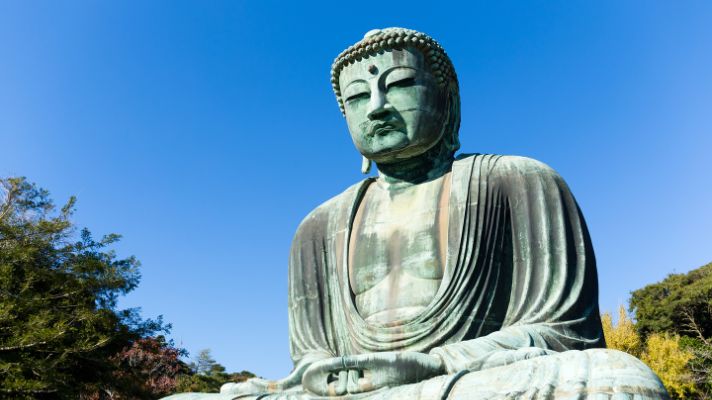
<point x="552" y="304"/>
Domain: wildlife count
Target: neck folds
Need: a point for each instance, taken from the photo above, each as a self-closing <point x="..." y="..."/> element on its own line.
<point x="428" y="166"/>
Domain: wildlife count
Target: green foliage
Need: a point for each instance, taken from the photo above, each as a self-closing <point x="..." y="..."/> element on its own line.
<point x="61" y="334"/>
<point x="672" y="332"/>
<point x="701" y="364"/>
<point x="59" y="325"/>
<point x="208" y="375"/>
<point x="681" y="303"/>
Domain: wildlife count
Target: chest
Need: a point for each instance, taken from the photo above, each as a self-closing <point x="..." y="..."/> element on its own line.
<point x="399" y="236"/>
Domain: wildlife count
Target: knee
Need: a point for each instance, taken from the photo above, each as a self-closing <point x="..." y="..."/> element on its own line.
<point x="622" y="373"/>
<point x="611" y="359"/>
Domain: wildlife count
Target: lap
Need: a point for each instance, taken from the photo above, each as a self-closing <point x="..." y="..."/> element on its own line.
<point x="589" y="374"/>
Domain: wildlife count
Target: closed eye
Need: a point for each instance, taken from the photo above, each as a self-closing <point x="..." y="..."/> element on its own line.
<point x="405" y="82"/>
<point x="357" y="96"/>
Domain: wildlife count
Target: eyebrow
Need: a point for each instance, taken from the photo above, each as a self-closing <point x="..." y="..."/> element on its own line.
<point x="395" y="67"/>
<point x="401" y="66"/>
<point x="354" y="82"/>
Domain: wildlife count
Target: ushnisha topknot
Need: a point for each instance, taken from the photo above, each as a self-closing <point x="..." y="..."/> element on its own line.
<point x="379" y="40"/>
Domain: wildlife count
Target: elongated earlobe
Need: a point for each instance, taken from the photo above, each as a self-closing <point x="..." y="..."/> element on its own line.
<point x="365" y="166"/>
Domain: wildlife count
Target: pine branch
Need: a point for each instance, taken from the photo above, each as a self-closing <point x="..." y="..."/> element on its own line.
<point x="30" y="345"/>
<point x="692" y="326"/>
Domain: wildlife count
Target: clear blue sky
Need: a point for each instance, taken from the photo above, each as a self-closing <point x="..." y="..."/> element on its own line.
<point x="204" y="132"/>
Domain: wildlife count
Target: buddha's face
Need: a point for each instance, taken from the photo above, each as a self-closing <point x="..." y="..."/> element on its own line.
<point x="394" y="107"/>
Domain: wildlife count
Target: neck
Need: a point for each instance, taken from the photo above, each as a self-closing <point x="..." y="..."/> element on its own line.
<point x="428" y="166"/>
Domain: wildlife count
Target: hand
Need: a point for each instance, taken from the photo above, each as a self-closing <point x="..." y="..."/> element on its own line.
<point x="250" y="386"/>
<point x="367" y="372"/>
<point x="262" y="386"/>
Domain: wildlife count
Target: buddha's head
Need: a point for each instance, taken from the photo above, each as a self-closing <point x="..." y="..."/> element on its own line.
<point x="398" y="90"/>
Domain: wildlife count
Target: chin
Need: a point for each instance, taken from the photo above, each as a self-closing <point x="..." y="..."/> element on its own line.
<point x="388" y="154"/>
<point x="385" y="147"/>
<point x="394" y="156"/>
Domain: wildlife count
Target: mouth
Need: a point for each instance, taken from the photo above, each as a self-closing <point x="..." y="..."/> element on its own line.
<point x="380" y="128"/>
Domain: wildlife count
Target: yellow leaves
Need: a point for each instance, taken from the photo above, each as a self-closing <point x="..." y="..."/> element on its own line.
<point x="661" y="352"/>
<point x="665" y="356"/>
<point x="622" y="336"/>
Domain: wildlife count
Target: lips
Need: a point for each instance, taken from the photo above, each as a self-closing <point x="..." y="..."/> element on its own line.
<point x="380" y="128"/>
<point x="383" y="129"/>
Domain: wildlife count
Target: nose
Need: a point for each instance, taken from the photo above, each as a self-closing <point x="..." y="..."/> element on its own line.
<point x="377" y="105"/>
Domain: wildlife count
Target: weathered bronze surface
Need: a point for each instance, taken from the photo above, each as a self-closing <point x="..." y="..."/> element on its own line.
<point x="469" y="277"/>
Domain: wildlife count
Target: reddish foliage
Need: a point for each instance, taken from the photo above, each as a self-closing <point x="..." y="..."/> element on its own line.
<point x="154" y="362"/>
<point x="147" y="369"/>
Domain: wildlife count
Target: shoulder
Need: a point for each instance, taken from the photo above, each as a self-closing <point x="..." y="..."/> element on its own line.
<point x="328" y="213"/>
<point x="523" y="166"/>
<point x="495" y="166"/>
<point x="511" y="175"/>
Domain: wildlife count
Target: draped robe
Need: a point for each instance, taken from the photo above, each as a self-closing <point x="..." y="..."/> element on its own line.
<point x="519" y="272"/>
<point x="516" y="314"/>
<point x="519" y="281"/>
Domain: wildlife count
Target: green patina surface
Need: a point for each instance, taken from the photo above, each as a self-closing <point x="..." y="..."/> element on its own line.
<point x="469" y="277"/>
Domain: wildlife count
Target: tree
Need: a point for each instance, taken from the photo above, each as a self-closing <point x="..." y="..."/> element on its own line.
<point x="665" y="353"/>
<point x="680" y="307"/>
<point x="205" y="364"/>
<point x="147" y="369"/>
<point x="623" y="335"/>
<point x="59" y="324"/>
<point x="208" y="375"/>
<point x="681" y="303"/>
<point x="670" y="361"/>
<point x="700" y="366"/>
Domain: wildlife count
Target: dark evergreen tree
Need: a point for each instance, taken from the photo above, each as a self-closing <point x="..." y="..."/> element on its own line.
<point x="59" y="322"/>
<point x="681" y="303"/>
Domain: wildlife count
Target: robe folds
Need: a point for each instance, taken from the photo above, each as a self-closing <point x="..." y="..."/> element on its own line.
<point x="519" y="273"/>
<point x="516" y="314"/>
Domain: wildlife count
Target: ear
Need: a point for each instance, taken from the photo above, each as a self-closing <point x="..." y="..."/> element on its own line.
<point x="365" y="165"/>
<point x="452" y="122"/>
